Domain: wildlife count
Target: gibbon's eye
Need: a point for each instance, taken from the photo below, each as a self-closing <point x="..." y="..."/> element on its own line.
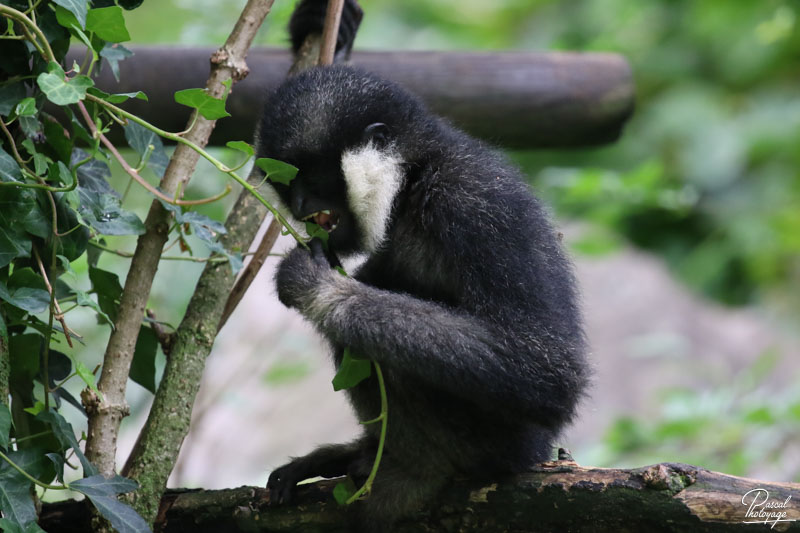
<point x="377" y="132"/>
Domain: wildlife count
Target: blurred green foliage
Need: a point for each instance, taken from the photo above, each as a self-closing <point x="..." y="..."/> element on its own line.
<point x="740" y="426"/>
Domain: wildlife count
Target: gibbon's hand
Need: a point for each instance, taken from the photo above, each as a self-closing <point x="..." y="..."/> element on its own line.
<point x="300" y="273"/>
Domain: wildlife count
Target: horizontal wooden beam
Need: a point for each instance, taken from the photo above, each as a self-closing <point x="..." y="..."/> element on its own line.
<point x="511" y="99"/>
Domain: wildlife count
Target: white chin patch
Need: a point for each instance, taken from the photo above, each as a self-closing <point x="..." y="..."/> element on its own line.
<point x="373" y="179"/>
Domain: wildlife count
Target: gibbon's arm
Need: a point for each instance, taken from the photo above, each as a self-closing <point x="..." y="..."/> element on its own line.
<point x="454" y="351"/>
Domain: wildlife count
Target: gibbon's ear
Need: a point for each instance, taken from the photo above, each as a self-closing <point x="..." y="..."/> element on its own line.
<point x="378" y="133"/>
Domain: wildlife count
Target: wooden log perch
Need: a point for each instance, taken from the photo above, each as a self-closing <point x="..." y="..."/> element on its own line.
<point x="556" y="496"/>
<point x="511" y="99"/>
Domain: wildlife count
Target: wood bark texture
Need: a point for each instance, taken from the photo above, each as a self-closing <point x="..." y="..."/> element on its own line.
<point x="511" y="99"/>
<point x="557" y="496"/>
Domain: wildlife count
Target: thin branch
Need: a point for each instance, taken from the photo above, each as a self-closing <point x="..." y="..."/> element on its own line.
<point x="228" y="63"/>
<point x="330" y="31"/>
<point x="132" y="171"/>
<point x="208" y="157"/>
<point x="43" y="47"/>
<point x="251" y="270"/>
<point x="59" y="314"/>
<point x="330" y="34"/>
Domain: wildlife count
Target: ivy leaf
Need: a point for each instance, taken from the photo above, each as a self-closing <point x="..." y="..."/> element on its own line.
<point x="103" y="494"/>
<point x="9" y="96"/>
<point x="352" y="371"/>
<point x="241" y="146"/>
<point x="140" y="139"/>
<point x="9" y="169"/>
<point x="277" y="171"/>
<point x="315" y="231"/>
<point x="106" y="285"/>
<point x="26" y="107"/>
<point x="66" y="437"/>
<point x="143" y="368"/>
<point x="26" y="290"/>
<point x="85" y="300"/>
<point x="69" y="21"/>
<point x="117" y="98"/>
<point x="108" y="23"/>
<point x="86" y="375"/>
<point x="15" y="489"/>
<point x="114" y="53"/>
<point x="208" y="106"/>
<point x="105" y="215"/>
<point x="344" y="490"/>
<point x="14" y="242"/>
<point x="77" y="8"/>
<point x="61" y="91"/>
<point x="7" y="526"/>
<point x="5" y="426"/>
<point x="92" y="176"/>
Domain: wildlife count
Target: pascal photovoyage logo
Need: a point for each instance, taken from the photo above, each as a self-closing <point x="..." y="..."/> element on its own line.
<point x="761" y="509"/>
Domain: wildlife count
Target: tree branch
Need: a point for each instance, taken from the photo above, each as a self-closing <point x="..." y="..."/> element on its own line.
<point x="168" y="422"/>
<point x="556" y="496"/>
<point x="227" y="63"/>
<point x="327" y="49"/>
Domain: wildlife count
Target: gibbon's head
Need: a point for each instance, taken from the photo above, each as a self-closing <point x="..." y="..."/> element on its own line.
<point x="347" y="132"/>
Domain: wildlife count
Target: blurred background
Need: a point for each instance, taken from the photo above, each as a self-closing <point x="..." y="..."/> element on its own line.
<point x="685" y="235"/>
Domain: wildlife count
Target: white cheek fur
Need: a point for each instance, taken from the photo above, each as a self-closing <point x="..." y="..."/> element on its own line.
<point x="373" y="178"/>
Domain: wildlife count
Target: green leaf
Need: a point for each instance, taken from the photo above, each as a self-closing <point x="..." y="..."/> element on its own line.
<point x="31" y="126"/>
<point x="9" y="169"/>
<point x="66" y="437"/>
<point x="69" y="21"/>
<point x="28" y="299"/>
<point x="277" y="171"/>
<point x="61" y="91"/>
<point x="85" y="300"/>
<point x="16" y="500"/>
<point x="77" y="8"/>
<point x="94" y="175"/>
<point x="86" y="375"/>
<point x="141" y="139"/>
<point x="315" y="231"/>
<point x="114" y="53"/>
<point x="352" y="371"/>
<point x="27" y="107"/>
<point x="108" y="23"/>
<point x="108" y="289"/>
<point x="5" y="426"/>
<point x="105" y="215"/>
<point x="344" y="490"/>
<point x="103" y="494"/>
<point x="117" y="98"/>
<point x="24" y="355"/>
<point x="208" y="106"/>
<point x="9" y="96"/>
<point x="241" y="146"/>
<point x="143" y="368"/>
<point x="37" y="408"/>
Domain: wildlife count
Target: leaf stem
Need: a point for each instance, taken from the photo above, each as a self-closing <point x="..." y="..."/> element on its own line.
<point x="30" y="477"/>
<point x="384" y="418"/>
<point x="208" y="157"/>
<point x="19" y="16"/>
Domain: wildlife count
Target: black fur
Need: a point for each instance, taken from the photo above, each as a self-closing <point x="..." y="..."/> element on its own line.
<point x="308" y="17"/>
<point x="469" y="305"/>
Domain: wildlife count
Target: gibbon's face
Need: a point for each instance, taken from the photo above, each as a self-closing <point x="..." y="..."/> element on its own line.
<point x="348" y="191"/>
